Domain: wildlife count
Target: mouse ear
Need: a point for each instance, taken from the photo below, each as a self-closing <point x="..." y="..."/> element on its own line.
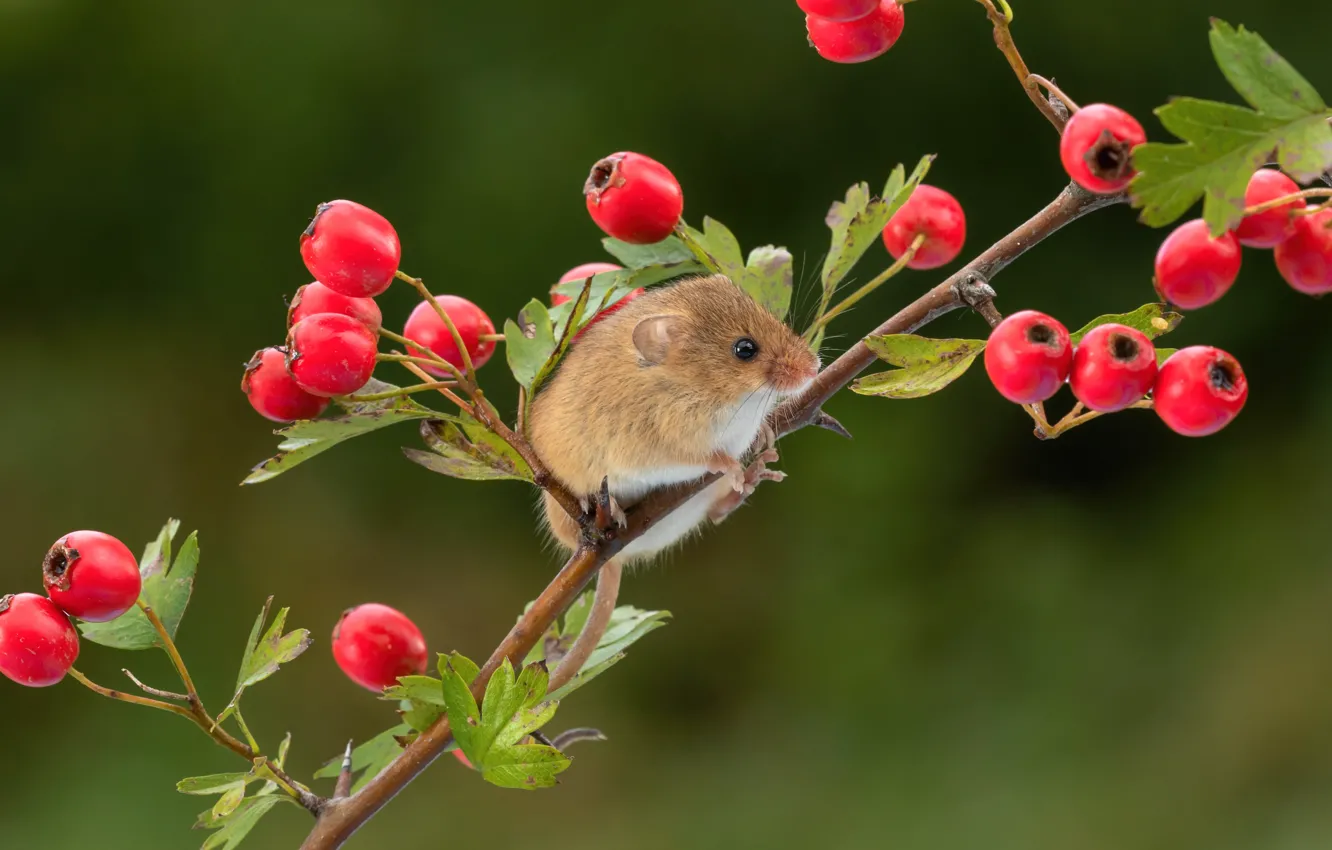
<point x="654" y="336"/>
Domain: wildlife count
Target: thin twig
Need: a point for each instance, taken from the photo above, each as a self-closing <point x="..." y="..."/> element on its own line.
<point x="1286" y="199"/>
<point x="425" y="353"/>
<point x="444" y="391"/>
<point x="1049" y="85"/>
<point x="307" y="798"/>
<point x="121" y="696"/>
<point x="154" y="691"/>
<point x="170" y="646"/>
<point x="1003" y="39"/>
<point x="420" y="287"/>
<point x="401" y="392"/>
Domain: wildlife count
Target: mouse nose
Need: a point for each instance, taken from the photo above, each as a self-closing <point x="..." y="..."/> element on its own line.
<point x="793" y="373"/>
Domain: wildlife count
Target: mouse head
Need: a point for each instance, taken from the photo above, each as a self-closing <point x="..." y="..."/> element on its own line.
<point x="710" y="335"/>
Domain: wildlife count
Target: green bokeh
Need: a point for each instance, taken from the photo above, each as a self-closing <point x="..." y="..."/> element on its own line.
<point x="943" y="635"/>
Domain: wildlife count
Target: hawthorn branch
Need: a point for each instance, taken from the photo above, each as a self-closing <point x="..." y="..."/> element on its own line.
<point x="1003" y="39"/>
<point x="340" y="818"/>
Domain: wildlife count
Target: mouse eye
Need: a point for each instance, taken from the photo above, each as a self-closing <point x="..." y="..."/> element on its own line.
<point x="745" y="348"/>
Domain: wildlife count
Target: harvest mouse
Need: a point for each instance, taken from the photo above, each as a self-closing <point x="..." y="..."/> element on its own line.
<point x="676" y="384"/>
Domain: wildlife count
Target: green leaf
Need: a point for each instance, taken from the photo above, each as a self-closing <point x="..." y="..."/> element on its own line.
<point x="716" y="247"/>
<point x="526" y="767"/>
<point x="1224" y="144"/>
<point x="461" y="447"/>
<point x="769" y="278"/>
<point x="1152" y="319"/>
<point x="529" y="342"/>
<point x="464" y="666"/>
<point x="928" y="365"/>
<point x="1163" y="354"/>
<point x="668" y="250"/>
<point x="303" y="440"/>
<point x="214" y="783"/>
<point x="627" y="626"/>
<point x="426" y="689"/>
<point x="858" y="221"/>
<point x="271" y="785"/>
<point x="263" y="656"/>
<point x="369" y="759"/>
<point x="166" y="589"/>
<point x="233" y="827"/>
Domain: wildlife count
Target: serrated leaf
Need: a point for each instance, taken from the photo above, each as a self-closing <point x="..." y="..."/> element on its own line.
<point x="214" y="783"/>
<point x="264" y="655"/>
<point x="461" y="447"/>
<point x="715" y="247"/>
<point x="426" y="689"/>
<point x="165" y="589"/>
<point x="529" y="342"/>
<point x="369" y="759"/>
<point x="1222" y="144"/>
<point x="927" y="365"/>
<point x="306" y="439"/>
<point x="419" y="716"/>
<point x="858" y="221"/>
<point x="668" y="250"/>
<point x="1152" y="319"/>
<point x="627" y="626"/>
<point x="464" y="666"/>
<point x="769" y="279"/>
<point x="227" y="803"/>
<point x="236" y="825"/>
<point x="526" y="767"/>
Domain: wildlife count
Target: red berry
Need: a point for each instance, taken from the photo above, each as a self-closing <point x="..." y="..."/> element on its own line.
<point x="1199" y="390"/>
<point x="38" y="643"/>
<point x="937" y="216"/>
<point x="1113" y="366"/>
<point x="1305" y="259"/>
<point x="351" y="249"/>
<point x="314" y="298"/>
<point x="331" y="354"/>
<point x="272" y="391"/>
<point x="1269" y="228"/>
<point x="92" y="576"/>
<point x="1028" y="357"/>
<point x="859" y="40"/>
<point x="375" y="644"/>
<point x="838" y="10"/>
<point x="582" y="272"/>
<point x="462" y="758"/>
<point x="424" y="326"/>
<point x="634" y="198"/>
<point x="1097" y="147"/>
<point x="1193" y="269"/>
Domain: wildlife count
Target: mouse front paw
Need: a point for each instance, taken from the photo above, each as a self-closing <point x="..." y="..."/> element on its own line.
<point x="730" y="468"/>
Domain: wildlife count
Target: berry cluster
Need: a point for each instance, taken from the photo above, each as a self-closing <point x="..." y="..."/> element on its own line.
<point x="849" y="31"/>
<point x="88" y="575"/>
<point x="334" y="323"/>
<point x="1196" y="392"/>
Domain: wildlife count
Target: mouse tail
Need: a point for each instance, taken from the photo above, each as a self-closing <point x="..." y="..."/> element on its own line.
<point x="603" y="606"/>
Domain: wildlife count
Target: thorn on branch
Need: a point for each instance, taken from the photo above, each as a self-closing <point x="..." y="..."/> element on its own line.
<point x="823" y="420"/>
<point x="977" y="294"/>
<point x="343" y="786"/>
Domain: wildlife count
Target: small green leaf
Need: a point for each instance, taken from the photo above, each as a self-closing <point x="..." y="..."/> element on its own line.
<point x="263" y="656"/>
<point x="271" y="786"/>
<point x="214" y="783"/>
<point x="235" y="825"/>
<point x="715" y="247"/>
<point x="526" y="767"/>
<point x="165" y="590"/>
<point x="303" y="440"/>
<point x="227" y="803"/>
<point x="419" y="715"/>
<point x="369" y="759"/>
<point x="529" y="342"/>
<point x="928" y="365"/>
<point x="769" y="278"/>
<point x="464" y="714"/>
<point x="668" y="250"/>
<point x="1148" y="318"/>
<point x="461" y="447"/>
<point x="426" y="689"/>
<point x="1222" y="144"/>
<point x="1163" y="354"/>
<point x="857" y="222"/>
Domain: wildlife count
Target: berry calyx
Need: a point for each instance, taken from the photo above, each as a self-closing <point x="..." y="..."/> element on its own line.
<point x="314" y="298"/>
<point x="273" y="393"/>
<point x="1305" y="259"/>
<point x="1268" y="228"/>
<point x="1097" y="146"/>
<point x="331" y="354"/>
<point x="633" y="198"/>
<point x="38" y="643"/>
<point x="351" y="249"/>
<point x="860" y="39"/>
<point x="1113" y="366"/>
<point x="1193" y="269"/>
<point x="933" y="213"/>
<point x="92" y="576"/>
<point x="1199" y="390"/>
<point x="838" y="10"/>
<point x="375" y="644"/>
<point x="427" y="329"/>
<point x="1028" y="357"/>
<point x="582" y="272"/>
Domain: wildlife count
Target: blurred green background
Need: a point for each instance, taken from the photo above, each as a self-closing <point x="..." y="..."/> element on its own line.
<point x="943" y="635"/>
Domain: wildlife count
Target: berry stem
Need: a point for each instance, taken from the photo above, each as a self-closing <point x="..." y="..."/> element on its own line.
<point x="1056" y="91"/>
<point x="491" y="337"/>
<point x="444" y="316"/>
<point x="1072" y="419"/>
<point x="401" y="392"/>
<point x="851" y="300"/>
<point x="435" y="359"/>
<point x="1286" y="199"/>
<point x="440" y="388"/>
<point x="1003" y="39"/>
<point x="169" y="645"/>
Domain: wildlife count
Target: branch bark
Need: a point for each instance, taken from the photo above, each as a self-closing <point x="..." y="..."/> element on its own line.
<point x="340" y="818"/>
